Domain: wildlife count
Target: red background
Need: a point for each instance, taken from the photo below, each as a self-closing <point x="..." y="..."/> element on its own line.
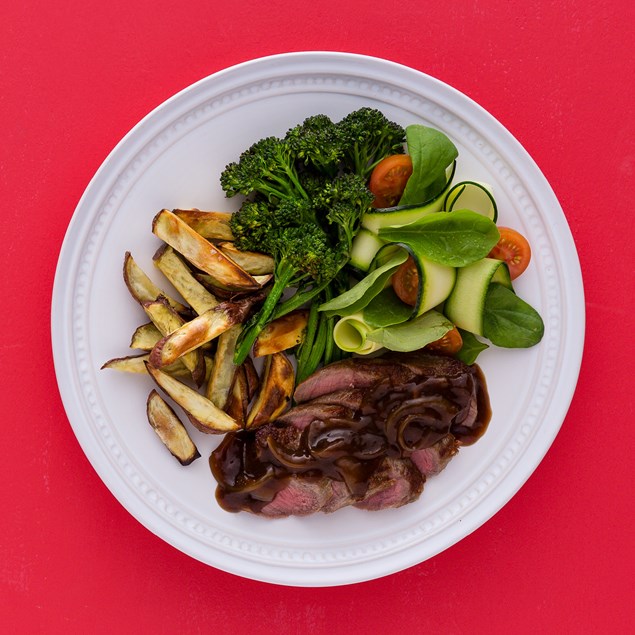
<point x="76" y="76"/>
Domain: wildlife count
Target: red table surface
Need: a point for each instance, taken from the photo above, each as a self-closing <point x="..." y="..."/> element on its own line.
<point x="76" y="76"/>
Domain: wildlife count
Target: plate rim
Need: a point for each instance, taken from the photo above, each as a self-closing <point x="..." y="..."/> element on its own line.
<point x="60" y="322"/>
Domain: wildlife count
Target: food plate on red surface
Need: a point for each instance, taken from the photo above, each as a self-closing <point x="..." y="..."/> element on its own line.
<point x="172" y="159"/>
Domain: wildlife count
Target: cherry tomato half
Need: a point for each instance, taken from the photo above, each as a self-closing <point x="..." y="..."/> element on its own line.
<point x="388" y="179"/>
<point x="405" y="282"/>
<point x="449" y="344"/>
<point x="514" y="249"/>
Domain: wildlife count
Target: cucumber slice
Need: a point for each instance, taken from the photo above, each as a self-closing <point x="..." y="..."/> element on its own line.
<point x="350" y="333"/>
<point x="397" y="216"/>
<point x="472" y="195"/>
<point x="435" y="283"/>
<point x="405" y="214"/>
<point x="365" y="246"/>
<point x="466" y="303"/>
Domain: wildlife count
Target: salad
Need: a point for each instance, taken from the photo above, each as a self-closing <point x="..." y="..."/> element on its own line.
<point x="363" y="220"/>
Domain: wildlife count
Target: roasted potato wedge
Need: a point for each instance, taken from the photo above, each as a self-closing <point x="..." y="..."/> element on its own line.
<point x="170" y="429"/>
<point x="142" y="288"/>
<point x="202" y="329"/>
<point x="136" y="364"/>
<point x="281" y="334"/>
<point x="237" y="405"/>
<point x="253" y="262"/>
<point x="253" y="380"/>
<point x="276" y="391"/>
<point x="201" y="412"/>
<point x="178" y="273"/>
<point x="168" y="321"/>
<point x="145" y="337"/>
<point x="222" y="377"/>
<point x="202" y="253"/>
<point x="210" y="225"/>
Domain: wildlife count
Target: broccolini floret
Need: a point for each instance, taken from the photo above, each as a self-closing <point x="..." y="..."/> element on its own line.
<point x="305" y="195"/>
<point x="267" y="168"/>
<point x="367" y="137"/>
<point x="316" y="144"/>
<point x="256" y="223"/>
<point x="251" y="226"/>
<point x="344" y="200"/>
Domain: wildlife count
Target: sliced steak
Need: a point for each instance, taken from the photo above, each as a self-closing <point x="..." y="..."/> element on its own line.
<point x="301" y="496"/>
<point x="364" y="432"/>
<point x="394" y="483"/>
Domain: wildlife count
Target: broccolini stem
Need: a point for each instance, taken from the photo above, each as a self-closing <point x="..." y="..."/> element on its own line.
<point x="298" y="299"/>
<point x="317" y="351"/>
<point x="284" y="273"/>
<point x="306" y="347"/>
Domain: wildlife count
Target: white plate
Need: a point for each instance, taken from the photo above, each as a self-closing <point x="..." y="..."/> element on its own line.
<point x="173" y="158"/>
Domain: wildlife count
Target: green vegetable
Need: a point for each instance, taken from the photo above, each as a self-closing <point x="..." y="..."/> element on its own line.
<point x="414" y="334"/>
<point x="342" y="201"/>
<point x="454" y="239"/>
<point x="304" y="350"/>
<point x="432" y="153"/>
<point x="316" y="144"/>
<point x="308" y="364"/>
<point x="471" y="348"/>
<point x="350" y="335"/>
<point x="466" y="304"/>
<point x="386" y="309"/>
<point x="302" y="254"/>
<point x="367" y="137"/>
<point x="356" y="298"/>
<point x="474" y="196"/>
<point x="509" y="321"/>
<point x="365" y="246"/>
<point x="268" y="168"/>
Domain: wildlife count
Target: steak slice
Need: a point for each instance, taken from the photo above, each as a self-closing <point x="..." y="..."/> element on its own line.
<point x="396" y="483"/>
<point x="304" y="495"/>
<point x="303" y="414"/>
<point x="350" y="374"/>
<point x="433" y="460"/>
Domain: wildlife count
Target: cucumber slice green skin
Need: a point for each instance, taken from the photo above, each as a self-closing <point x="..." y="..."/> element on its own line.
<point x="474" y="196"/>
<point x="466" y="303"/>
<point x="396" y="216"/>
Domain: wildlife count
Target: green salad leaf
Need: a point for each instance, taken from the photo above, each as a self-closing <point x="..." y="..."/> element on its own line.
<point x="454" y="239"/>
<point x="471" y="349"/>
<point x="432" y="153"/>
<point x="414" y="334"/>
<point x="386" y="309"/>
<point x="508" y="321"/>
<point x="359" y="296"/>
